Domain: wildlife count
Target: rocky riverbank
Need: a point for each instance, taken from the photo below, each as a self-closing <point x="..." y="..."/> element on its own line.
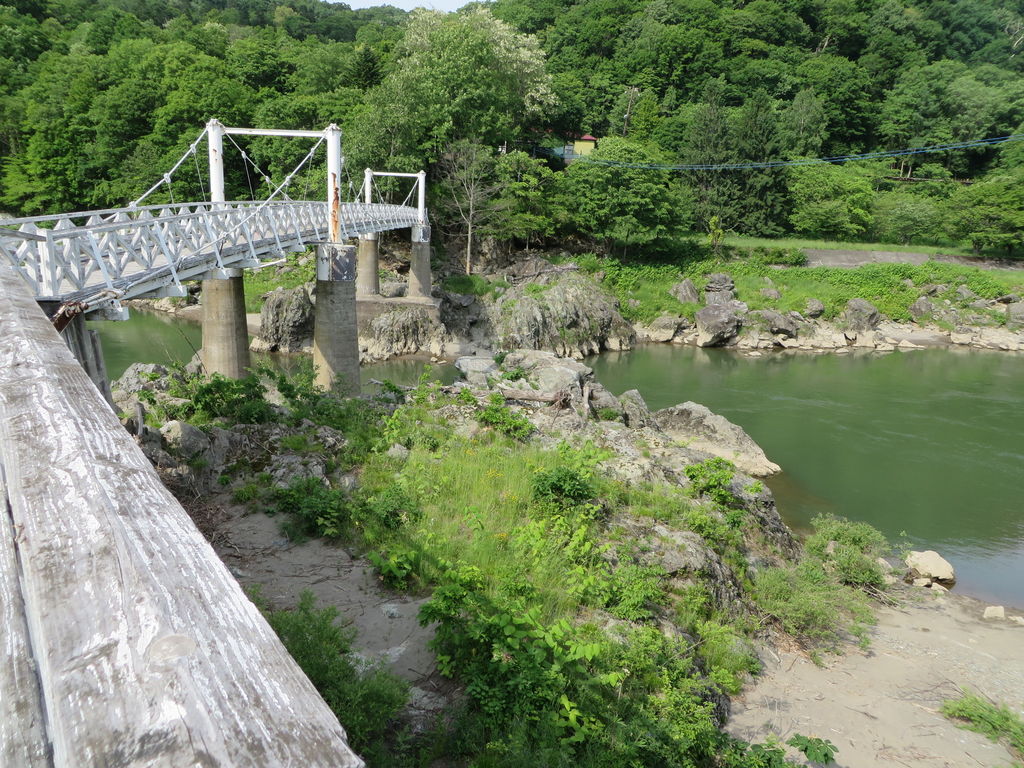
<point x="535" y="304"/>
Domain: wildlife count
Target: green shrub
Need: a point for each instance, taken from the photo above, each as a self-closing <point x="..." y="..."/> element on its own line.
<point x="240" y="401"/>
<point x="633" y="590"/>
<point x="562" y="485"/>
<point x="390" y="508"/>
<point x="366" y="699"/>
<point x="812" y="605"/>
<point x="713" y="478"/>
<point x="315" y="509"/>
<point x="502" y="418"/>
<point x="854" y="549"/>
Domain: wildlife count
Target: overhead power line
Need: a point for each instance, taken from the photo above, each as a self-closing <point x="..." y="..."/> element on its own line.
<point x="804" y="161"/>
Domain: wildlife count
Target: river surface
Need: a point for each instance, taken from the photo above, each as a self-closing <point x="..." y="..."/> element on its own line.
<point x="929" y="442"/>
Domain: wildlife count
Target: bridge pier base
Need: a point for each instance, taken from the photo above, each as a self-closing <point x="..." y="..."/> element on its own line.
<point x="225" y="336"/>
<point x="335" y="333"/>
<point x="419" y="270"/>
<point x="368" y="266"/>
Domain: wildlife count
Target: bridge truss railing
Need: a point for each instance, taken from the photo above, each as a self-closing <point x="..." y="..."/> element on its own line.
<point x="102" y="257"/>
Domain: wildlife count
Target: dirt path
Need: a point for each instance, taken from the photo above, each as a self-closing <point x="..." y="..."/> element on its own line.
<point x="880" y="708"/>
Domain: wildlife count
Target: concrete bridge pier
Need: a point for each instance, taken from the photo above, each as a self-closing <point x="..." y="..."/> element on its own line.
<point x="225" y="336"/>
<point x="368" y="266"/>
<point x="335" y="333"/>
<point x="419" y="264"/>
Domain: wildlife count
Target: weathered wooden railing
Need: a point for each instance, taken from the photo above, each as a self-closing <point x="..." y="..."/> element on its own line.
<point x="125" y="641"/>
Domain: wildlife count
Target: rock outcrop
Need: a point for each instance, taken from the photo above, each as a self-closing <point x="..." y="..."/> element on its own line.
<point x="717" y="324"/>
<point x="697" y="427"/>
<point x="286" y="322"/>
<point x="567" y="314"/>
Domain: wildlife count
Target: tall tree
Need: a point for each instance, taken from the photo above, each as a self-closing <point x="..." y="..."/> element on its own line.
<point x="467" y="189"/>
<point x="762" y="203"/>
<point x="455" y="76"/>
<point x="709" y="143"/>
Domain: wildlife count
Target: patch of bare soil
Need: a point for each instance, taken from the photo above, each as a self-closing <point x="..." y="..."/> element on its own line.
<point x="386" y="622"/>
<point x="880" y="707"/>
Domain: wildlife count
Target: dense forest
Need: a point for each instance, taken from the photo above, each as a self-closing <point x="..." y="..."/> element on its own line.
<point x="100" y="98"/>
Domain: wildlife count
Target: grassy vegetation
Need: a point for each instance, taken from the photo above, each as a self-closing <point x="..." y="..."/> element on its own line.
<point x="366" y="698"/>
<point x="997" y="722"/>
<point x="550" y="612"/>
<point x="643" y="288"/>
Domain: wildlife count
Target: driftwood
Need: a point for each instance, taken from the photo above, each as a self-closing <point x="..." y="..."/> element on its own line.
<point x="126" y="641"/>
<point x="560" y="398"/>
<point x="554" y="269"/>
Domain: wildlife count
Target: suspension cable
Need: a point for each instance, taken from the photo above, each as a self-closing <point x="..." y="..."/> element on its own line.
<point x="166" y="178"/>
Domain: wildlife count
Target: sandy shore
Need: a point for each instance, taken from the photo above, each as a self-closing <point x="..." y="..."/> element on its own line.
<point x="881" y="707"/>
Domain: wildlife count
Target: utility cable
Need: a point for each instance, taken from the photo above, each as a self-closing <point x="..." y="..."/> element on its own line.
<point x="805" y="161"/>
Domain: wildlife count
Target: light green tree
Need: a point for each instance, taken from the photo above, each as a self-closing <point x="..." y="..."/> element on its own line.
<point x="455" y="76"/>
<point x="830" y="201"/>
<point x="622" y="206"/>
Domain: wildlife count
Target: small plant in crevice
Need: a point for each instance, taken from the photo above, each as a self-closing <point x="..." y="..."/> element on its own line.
<point x="503" y="419"/>
<point x="713" y="478"/>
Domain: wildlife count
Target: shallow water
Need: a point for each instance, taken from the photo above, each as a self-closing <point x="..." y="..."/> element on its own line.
<point x="929" y="442"/>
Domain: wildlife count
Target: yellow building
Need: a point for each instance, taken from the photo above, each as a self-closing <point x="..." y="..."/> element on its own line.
<point x="584" y="145"/>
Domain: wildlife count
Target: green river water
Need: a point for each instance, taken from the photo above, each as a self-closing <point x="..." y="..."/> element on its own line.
<point x="926" y="442"/>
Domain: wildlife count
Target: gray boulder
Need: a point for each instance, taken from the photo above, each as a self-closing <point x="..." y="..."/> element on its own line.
<point x="636" y="414"/>
<point x="716" y="325"/>
<point x="184" y="440"/>
<point x="1009" y="298"/>
<point x="546" y="372"/>
<point x="1015" y="315"/>
<point x="921" y="309"/>
<point x="286" y="321"/>
<point x="603" y="400"/>
<point x="476" y="370"/>
<point x="965" y="294"/>
<point x="702" y="430"/>
<point x="393" y="289"/>
<point x="719" y="289"/>
<point x="686" y="292"/>
<point x="814" y="308"/>
<point x="661" y="329"/>
<point x="771" y="293"/>
<point x="775" y="322"/>
<point x="861" y="315"/>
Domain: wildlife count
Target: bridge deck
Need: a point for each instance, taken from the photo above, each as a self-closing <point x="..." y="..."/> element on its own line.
<point x="124" y="642"/>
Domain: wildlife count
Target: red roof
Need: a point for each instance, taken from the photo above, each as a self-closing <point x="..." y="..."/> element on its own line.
<point x="587" y="137"/>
